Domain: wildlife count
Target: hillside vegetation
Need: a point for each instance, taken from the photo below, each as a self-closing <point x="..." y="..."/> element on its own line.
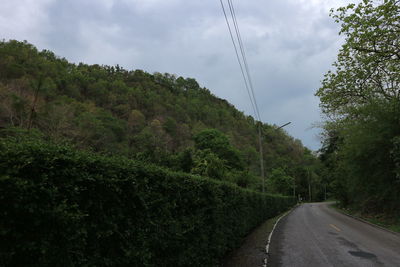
<point x="159" y="118"/>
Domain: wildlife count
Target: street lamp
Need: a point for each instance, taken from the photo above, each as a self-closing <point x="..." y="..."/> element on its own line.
<point x="283" y="125"/>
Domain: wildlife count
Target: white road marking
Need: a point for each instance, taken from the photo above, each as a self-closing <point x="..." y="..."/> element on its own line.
<point x="270" y="235"/>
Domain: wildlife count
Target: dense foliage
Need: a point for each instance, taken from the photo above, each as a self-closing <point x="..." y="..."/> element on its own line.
<point x="159" y="118"/>
<point x="62" y="207"/>
<point x="361" y="98"/>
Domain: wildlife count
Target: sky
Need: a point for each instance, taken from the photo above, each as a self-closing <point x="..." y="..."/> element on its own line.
<point x="289" y="44"/>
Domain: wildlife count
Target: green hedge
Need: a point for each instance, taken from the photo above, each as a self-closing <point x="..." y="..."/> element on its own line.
<point x="62" y="207"/>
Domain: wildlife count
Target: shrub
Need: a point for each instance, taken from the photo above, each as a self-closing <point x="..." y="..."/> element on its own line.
<point x="62" y="207"/>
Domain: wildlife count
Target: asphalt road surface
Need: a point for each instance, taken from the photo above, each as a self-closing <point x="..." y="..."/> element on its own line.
<point x="317" y="235"/>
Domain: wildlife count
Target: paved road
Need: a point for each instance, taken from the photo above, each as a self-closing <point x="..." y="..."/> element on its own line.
<point x="317" y="235"/>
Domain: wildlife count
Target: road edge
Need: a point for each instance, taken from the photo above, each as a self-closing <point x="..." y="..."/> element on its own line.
<point x="272" y="231"/>
<point x="363" y="220"/>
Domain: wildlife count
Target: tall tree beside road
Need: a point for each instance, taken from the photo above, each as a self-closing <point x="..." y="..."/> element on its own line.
<point x="361" y="99"/>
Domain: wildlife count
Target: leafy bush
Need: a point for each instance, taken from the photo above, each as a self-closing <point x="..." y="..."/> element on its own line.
<point x="62" y="207"/>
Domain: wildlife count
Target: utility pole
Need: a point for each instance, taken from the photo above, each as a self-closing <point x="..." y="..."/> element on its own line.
<point x="33" y="107"/>
<point x="294" y="187"/>
<point x="261" y="158"/>
<point x="309" y="186"/>
<point x="261" y="152"/>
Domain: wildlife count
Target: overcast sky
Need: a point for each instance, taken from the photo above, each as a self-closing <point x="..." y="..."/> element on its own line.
<point x="289" y="44"/>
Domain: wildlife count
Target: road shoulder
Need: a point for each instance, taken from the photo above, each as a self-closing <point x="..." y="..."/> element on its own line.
<point x="252" y="252"/>
<point x="344" y="212"/>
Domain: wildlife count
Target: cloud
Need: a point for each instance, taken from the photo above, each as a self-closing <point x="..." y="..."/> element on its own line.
<point x="23" y="19"/>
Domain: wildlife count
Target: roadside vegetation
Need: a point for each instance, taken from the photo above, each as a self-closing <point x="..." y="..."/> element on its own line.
<point x="360" y="98"/>
<point x="65" y="207"/>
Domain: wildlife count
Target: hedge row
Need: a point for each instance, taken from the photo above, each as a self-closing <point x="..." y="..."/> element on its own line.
<point x="62" y="207"/>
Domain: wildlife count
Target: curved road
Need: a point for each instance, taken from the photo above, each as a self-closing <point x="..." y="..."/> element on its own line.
<point x="317" y="235"/>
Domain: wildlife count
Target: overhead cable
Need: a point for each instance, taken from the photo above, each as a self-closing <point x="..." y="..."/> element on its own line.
<point x="246" y="78"/>
<point x="243" y="53"/>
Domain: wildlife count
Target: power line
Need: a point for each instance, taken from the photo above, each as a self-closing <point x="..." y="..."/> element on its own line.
<point x="243" y="53"/>
<point x="245" y="79"/>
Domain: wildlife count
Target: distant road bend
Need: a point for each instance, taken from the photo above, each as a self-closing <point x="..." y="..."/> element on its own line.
<point x="317" y="235"/>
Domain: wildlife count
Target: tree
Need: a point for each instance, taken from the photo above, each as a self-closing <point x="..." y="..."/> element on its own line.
<point x="219" y="144"/>
<point x="369" y="62"/>
<point x="136" y="121"/>
<point x="206" y="163"/>
<point x="279" y="182"/>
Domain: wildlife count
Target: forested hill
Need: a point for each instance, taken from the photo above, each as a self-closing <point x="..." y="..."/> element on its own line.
<point x="160" y="118"/>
